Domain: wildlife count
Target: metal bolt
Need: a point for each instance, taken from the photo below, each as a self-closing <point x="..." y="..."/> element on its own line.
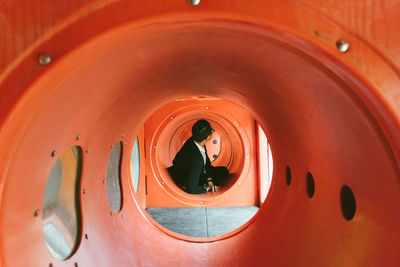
<point x="78" y="137"/>
<point x="36" y="213"/>
<point x="53" y="153"/>
<point x="44" y="59"/>
<point x="162" y="182"/>
<point x="86" y="236"/>
<point x="206" y="107"/>
<point x="194" y="2"/>
<point x="343" y="46"/>
<point x="237" y="124"/>
<point x="201" y="203"/>
<point x="84" y="191"/>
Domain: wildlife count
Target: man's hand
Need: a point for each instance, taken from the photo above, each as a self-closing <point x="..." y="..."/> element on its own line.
<point x="211" y="187"/>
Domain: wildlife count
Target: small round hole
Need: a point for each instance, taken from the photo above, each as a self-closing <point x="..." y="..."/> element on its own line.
<point x="310" y="185"/>
<point x="86" y="236"/>
<point x="214" y="142"/>
<point x="347" y="202"/>
<point x="288" y="175"/>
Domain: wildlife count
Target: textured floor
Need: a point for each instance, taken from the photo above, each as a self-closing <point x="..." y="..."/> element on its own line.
<point x="202" y="222"/>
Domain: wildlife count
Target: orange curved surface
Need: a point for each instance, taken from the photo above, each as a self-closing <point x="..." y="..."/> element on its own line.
<point x="114" y="63"/>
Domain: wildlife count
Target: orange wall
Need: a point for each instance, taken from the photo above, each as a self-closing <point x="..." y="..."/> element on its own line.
<point x="161" y="190"/>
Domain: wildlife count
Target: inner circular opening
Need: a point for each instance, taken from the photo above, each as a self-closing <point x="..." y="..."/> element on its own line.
<point x="232" y="179"/>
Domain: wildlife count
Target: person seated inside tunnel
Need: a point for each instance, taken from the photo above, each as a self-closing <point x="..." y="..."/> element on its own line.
<point x="192" y="170"/>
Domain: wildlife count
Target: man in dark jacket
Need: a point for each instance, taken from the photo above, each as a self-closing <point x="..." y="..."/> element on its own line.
<point x="192" y="169"/>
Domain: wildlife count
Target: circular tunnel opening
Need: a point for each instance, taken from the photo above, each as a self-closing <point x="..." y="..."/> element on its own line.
<point x="237" y="143"/>
<point x="318" y="103"/>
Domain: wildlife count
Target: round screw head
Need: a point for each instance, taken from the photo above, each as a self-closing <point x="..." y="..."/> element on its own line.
<point x="53" y="153"/>
<point x="36" y="213"/>
<point x="44" y="59"/>
<point x="194" y="2"/>
<point x="343" y="46"/>
<point x="78" y="137"/>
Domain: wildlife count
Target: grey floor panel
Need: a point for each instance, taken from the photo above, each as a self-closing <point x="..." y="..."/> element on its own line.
<point x="185" y="221"/>
<point x="202" y="222"/>
<point x="222" y="220"/>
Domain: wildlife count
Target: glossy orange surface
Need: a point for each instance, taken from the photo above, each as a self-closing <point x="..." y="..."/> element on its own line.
<point x="114" y="63"/>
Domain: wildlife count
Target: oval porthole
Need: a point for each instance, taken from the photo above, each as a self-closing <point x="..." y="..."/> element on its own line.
<point x="135" y="165"/>
<point x="61" y="209"/>
<point x="113" y="181"/>
<point x="310" y="185"/>
<point x="347" y="202"/>
<point x="288" y="176"/>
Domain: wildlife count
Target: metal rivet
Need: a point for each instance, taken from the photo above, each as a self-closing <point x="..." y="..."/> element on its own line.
<point x="84" y="191"/>
<point x="171" y="118"/>
<point x="104" y="181"/>
<point x="162" y="182"/>
<point x="237" y="124"/>
<point x="194" y="2"/>
<point x="87" y="150"/>
<point x="239" y="184"/>
<point x="44" y="59"/>
<point x="53" y="153"/>
<point x="78" y="137"/>
<point x="201" y="203"/>
<point x="111" y="146"/>
<point x="36" y="213"/>
<point x="343" y="46"/>
<point x="206" y="107"/>
<point x="86" y="236"/>
<point x="154" y="147"/>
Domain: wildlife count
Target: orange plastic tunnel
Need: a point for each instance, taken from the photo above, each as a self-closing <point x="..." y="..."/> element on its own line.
<point x="84" y="85"/>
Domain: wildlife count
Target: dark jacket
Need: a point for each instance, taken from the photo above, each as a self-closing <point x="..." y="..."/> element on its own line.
<point x="188" y="168"/>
